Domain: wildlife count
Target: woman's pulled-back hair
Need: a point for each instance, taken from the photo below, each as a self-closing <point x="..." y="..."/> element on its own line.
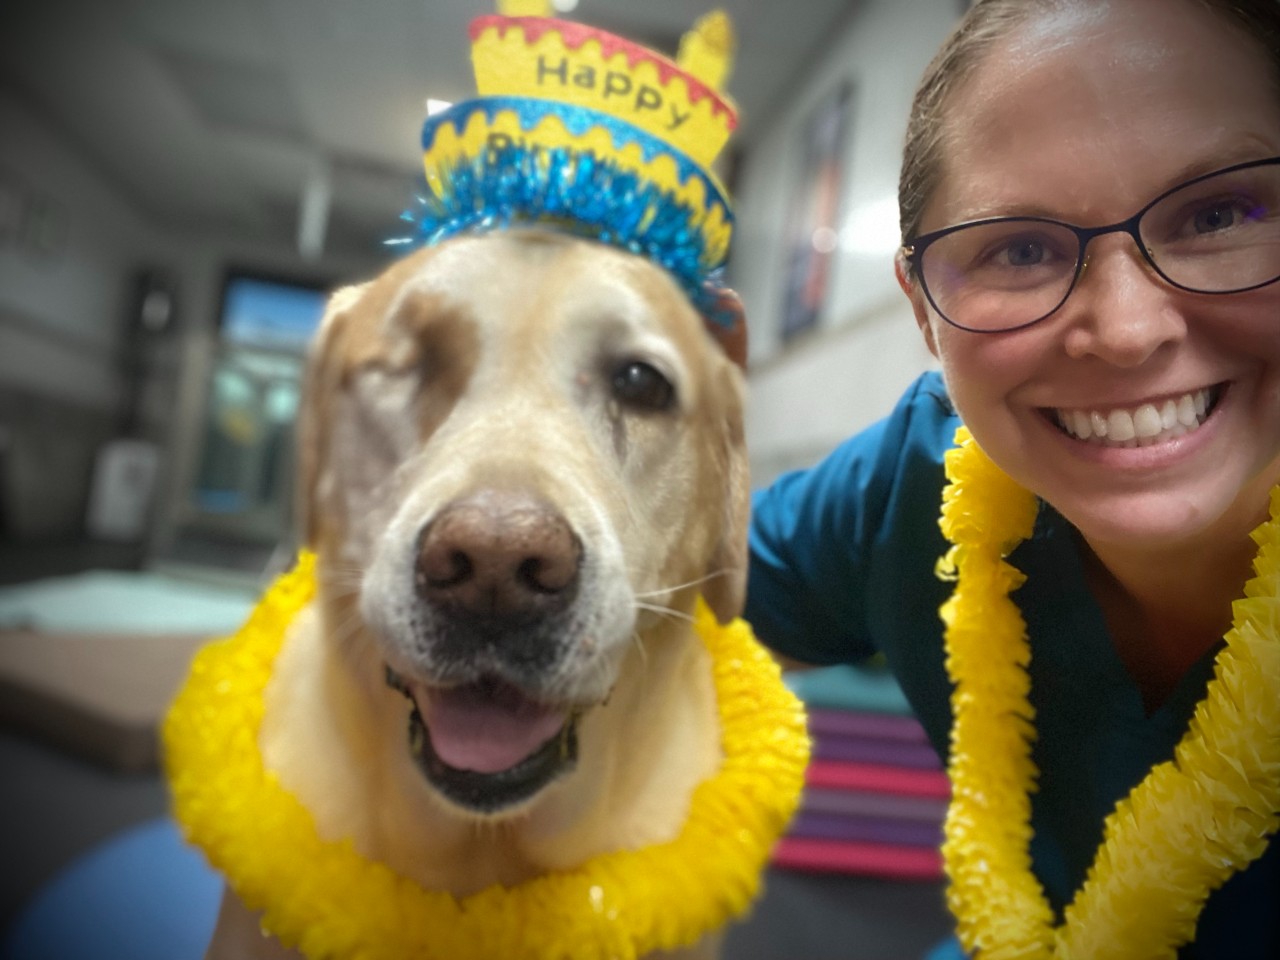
<point x="985" y="24"/>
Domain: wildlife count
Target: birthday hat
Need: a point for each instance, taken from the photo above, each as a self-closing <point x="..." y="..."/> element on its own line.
<point x="584" y="131"/>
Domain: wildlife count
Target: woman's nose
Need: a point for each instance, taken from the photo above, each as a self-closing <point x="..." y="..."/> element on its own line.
<point x="1121" y="311"/>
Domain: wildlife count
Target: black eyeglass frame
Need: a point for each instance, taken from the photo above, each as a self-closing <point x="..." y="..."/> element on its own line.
<point x="914" y="250"/>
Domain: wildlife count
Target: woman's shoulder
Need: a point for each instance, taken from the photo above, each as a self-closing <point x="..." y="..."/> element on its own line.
<point x="926" y="402"/>
<point x="920" y="428"/>
<point x="884" y="477"/>
<point x="916" y="433"/>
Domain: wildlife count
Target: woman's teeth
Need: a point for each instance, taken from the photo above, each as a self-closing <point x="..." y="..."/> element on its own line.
<point x="1142" y="426"/>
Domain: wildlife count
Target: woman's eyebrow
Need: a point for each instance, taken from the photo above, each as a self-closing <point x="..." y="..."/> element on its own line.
<point x="1244" y="150"/>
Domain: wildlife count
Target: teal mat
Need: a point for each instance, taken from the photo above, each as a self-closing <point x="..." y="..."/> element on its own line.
<point x="869" y="689"/>
<point x="113" y="602"/>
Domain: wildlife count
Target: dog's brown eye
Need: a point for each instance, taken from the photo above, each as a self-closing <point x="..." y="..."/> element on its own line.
<point x="637" y="384"/>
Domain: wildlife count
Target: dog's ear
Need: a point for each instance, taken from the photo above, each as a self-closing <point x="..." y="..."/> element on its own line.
<point x="320" y="386"/>
<point x="726" y="321"/>
<point x="726" y="587"/>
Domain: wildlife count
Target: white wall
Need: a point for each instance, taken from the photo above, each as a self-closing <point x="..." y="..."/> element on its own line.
<point x="811" y="393"/>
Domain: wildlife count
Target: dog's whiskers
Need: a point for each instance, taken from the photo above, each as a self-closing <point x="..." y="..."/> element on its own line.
<point x="664" y="611"/>
<point x="639" y="645"/>
<point x="684" y="586"/>
<point x="343" y="578"/>
<point x="348" y="626"/>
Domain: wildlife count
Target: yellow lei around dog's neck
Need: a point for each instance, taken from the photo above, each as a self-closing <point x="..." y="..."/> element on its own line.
<point x="1191" y="824"/>
<point x="328" y="901"/>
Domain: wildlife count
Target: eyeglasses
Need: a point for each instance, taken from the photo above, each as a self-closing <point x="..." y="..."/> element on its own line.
<point x="1218" y="233"/>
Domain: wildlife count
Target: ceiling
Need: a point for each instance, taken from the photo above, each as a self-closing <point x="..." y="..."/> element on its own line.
<point x="214" y="115"/>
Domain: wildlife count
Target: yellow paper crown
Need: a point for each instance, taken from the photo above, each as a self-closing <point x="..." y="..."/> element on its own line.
<point x="532" y="55"/>
<point x="581" y="129"/>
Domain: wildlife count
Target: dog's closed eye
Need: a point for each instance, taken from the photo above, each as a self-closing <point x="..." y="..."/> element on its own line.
<point x="641" y="386"/>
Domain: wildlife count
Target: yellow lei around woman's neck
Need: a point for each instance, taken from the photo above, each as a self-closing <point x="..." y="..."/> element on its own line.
<point x="1191" y="824"/>
<point x="328" y="901"/>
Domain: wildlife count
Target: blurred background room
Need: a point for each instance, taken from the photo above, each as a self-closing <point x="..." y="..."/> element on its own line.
<point x="180" y="184"/>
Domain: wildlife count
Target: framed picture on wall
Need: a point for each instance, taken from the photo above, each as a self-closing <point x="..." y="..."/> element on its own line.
<point x="812" y="231"/>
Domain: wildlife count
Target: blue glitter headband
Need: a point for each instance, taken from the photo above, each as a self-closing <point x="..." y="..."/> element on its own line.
<point x="568" y="190"/>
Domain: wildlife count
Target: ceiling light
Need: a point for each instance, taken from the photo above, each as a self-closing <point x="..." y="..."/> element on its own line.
<point x="564" y="6"/>
<point x="435" y="106"/>
<point x="313" y="211"/>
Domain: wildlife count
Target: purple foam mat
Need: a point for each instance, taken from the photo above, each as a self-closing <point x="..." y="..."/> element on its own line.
<point x="859" y="723"/>
<point x="828" y="826"/>
<point x="865" y="804"/>
<point x="917" y="756"/>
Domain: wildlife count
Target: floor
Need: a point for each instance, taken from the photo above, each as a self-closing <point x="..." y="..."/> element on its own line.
<point x="53" y="808"/>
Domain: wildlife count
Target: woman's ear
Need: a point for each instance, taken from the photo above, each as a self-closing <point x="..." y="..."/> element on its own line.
<point x="919" y="303"/>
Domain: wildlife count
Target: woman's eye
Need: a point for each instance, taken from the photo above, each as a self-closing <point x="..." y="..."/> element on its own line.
<point x="1024" y="253"/>
<point x="1021" y="251"/>
<point x="639" y="385"/>
<point x="1219" y="216"/>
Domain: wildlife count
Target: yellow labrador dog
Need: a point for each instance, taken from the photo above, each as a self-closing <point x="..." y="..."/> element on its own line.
<point x="521" y="459"/>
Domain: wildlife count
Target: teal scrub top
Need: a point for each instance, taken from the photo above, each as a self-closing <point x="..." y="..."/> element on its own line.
<point x="842" y="567"/>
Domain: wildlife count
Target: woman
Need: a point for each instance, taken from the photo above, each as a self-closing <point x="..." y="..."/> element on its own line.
<point x="1128" y="377"/>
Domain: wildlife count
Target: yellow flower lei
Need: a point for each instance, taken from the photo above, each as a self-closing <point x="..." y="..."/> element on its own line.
<point x="1190" y="824"/>
<point x="328" y="901"/>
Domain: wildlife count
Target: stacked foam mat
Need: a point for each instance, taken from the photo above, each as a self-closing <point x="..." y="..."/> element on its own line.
<point x="875" y="792"/>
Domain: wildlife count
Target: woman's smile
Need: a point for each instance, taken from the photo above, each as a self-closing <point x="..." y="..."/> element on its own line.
<point x="1144" y="424"/>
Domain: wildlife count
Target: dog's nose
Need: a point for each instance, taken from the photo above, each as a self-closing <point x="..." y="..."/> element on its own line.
<point x="499" y="555"/>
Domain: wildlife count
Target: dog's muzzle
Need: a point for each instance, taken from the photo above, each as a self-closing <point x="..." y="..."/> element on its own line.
<point x="496" y="574"/>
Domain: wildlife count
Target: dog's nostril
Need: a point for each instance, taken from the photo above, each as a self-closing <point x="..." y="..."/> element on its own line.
<point x="528" y="574"/>
<point x="445" y="568"/>
<point x="551" y="573"/>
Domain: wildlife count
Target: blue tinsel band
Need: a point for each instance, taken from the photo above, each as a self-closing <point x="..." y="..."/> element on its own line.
<point x="571" y="190"/>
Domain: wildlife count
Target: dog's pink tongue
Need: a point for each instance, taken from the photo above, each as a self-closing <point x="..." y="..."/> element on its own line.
<point x="486" y="728"/>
